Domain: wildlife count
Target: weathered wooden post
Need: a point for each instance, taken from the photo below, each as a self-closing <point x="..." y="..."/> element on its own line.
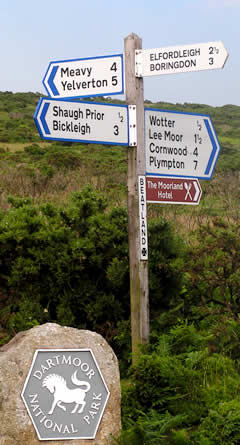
<point x="136" y="168"/>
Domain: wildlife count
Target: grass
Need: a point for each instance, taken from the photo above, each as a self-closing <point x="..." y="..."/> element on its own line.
<point x="53" y="170"/>
<point x="13" y="147"/>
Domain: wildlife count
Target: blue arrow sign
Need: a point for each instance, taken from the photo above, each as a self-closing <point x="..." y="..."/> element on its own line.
<point x="180" y="144"/>
<point x="214" y="147"/>
<point x="51" y="83"/>
<point x="92" y="76"/>
<point x="69" y="120"/>
<point x="43" y="118"/>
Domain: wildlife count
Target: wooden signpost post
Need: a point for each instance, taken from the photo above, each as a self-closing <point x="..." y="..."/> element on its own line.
<point x="136" y="167"/>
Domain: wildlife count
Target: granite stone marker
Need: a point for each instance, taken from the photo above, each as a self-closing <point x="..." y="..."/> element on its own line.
<point x="58" y="384"/>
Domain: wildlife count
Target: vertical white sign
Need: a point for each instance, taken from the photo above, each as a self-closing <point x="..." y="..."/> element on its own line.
<point x="143" y="218"/>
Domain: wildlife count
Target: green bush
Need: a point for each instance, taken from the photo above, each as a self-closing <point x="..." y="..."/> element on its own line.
<point x="66" y="258"/>
<point x="221" y="426"/>
<point x="212" y="277"/>
<point x="155" y="429"/>
<point x="178" y="383"/>
<point x="72" y="263"/>
<point x="166" y="251"/>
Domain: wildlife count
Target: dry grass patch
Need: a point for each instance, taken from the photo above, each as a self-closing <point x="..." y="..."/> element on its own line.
<point x="19" y="146"/>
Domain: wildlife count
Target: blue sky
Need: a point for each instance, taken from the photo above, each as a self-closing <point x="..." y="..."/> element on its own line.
<point x="33" y="33"/>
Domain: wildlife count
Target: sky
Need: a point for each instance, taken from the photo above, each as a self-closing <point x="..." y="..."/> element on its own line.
<point x="33" y="33"/>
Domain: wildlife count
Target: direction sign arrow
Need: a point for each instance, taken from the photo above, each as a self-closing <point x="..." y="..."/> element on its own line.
<point x="173" y="190"/>
<point x="180" y="59"/>
<point x="68" y="120"/>
<point x="93" y="76"/>
<point x="180" y="144"/>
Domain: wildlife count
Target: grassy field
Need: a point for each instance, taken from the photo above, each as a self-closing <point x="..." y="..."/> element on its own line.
<point x="46" y="170"/>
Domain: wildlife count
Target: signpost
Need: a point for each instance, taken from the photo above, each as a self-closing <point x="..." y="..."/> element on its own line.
<point x="173" y="190"/>
<point x="93" y="76"/>
<point x="68" y="120"/>
<point x="179" y="147"/>
<point x="180" y="59"/>
<point x="137" y="216"/>
<point x="180" y="144"/>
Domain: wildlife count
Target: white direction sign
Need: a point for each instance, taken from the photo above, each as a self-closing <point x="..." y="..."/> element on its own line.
<point x="69" y="120"/>
<point x="180" y="144"/>
<point x="93" y="76"/>
<point x="143" y="218"/>
<point x="180" y="59"/>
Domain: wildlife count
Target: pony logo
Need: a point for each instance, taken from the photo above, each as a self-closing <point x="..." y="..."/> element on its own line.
<point x="57" y="386"/>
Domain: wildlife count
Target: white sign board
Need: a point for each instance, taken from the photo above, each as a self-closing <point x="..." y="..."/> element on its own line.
<point x="180" y="144"/>
<point x="143" y="218"/>
<point x="68" y="120"/>
<point x="98" y="76"/>
<point x="180" y="59"/>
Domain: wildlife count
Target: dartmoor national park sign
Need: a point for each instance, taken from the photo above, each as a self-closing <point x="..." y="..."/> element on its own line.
<point x="59" y="384"/>
<point x="65" y="394"/>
